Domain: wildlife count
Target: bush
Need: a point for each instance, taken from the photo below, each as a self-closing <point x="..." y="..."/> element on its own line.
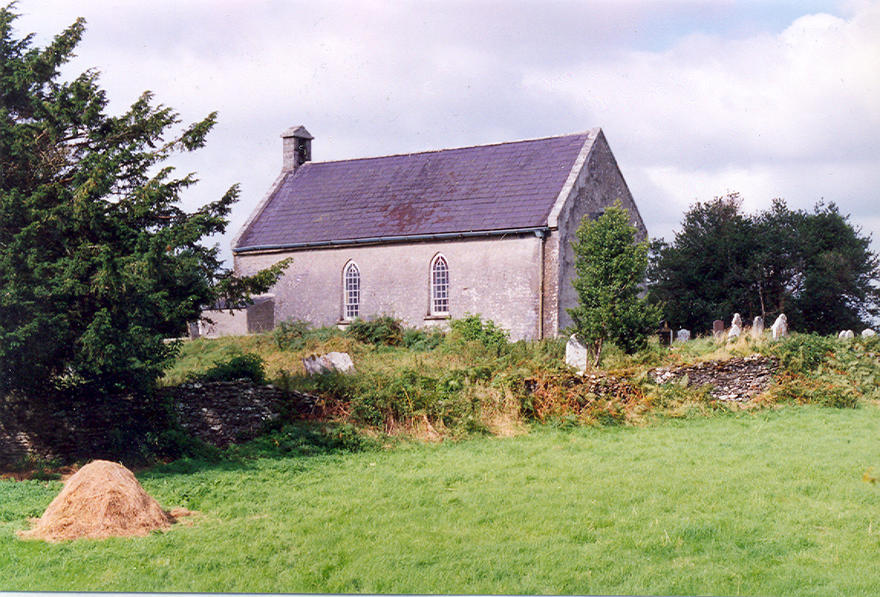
<point x="472" y="328"/>
<point x="830" y="391"/>
<point x="244" y="366"/>
<point x="803" y="353"/>
<point x="384" y="330"/>
<point x="422" y="340"/>
<point x="291" y="334"/>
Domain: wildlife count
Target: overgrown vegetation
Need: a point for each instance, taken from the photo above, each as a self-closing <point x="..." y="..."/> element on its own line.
<point x="473" y="380"/>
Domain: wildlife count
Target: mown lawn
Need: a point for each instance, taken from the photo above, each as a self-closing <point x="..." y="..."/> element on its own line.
<point x="768" y="503"/>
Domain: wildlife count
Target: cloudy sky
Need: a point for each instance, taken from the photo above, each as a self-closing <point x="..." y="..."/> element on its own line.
<point x="697" y="98"/>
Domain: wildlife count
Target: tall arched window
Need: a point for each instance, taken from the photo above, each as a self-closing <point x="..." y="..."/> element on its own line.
<point x="352" y="296"/>
<point x="439" y="286"/>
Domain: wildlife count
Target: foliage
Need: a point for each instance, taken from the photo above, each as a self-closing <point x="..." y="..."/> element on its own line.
<point x="243" y="366"/>
<point x="422" y="340"/>
<point x="383" y="330"/>
<point x="826" y="371"/>
<point x="814" y="266"/>
<point x="804" y="353"/>
<point x="291" y="334"/>
<point x="98" y="263"/>
<point x="472" y="328"/>
<point x="610" y="266"/>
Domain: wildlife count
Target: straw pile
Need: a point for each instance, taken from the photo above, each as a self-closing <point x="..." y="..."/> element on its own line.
<point x="103" y="499"/>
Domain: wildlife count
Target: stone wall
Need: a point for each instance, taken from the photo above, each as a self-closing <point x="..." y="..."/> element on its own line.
<point x="218" y="413"/>
<point x="496" y="277"/>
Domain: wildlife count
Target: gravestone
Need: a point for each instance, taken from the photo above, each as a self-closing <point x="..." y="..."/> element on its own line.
<point x="846" y="335"/>
<point x="735" y="328"/>
<point x="332" y="361"/>
<point x="779" y="328"/>
<point x="576" y="354"/>
<point x="758" y="327"/>
<point x="665" y="334"/>
<point x="683" y="335"/>
<point x="717" y="328"/>
<point x="737" y="321"/>
<point x="868" y="332"/>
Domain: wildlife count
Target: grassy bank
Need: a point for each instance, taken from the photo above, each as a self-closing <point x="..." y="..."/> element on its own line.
<point x="770" y="503"/>
<point x="473" y="380"/>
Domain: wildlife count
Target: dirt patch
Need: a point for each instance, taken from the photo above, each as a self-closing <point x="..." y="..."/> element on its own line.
<point x="103" y="499"/>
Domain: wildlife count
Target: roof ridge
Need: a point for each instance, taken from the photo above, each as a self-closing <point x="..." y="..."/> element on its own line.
<point x="428" y="151"/>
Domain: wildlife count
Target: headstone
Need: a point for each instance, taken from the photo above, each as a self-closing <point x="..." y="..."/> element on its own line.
<point x="718" y="328"/>
<point x="332" y="361"/>
<point x="867" y="332"/>
<point x="735" y="331"/>
<point x="665" y="334"/>
<point x="780" y="327"/>
<point x="846" y="335"/>
<point x="683" y="335"/>
<point x="758" y="327"/>
<point x="737" y="321"/>
<point x="576" y="354"/>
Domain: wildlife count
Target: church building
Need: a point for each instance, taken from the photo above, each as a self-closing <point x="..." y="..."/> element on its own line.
<point x="430" y="236"/>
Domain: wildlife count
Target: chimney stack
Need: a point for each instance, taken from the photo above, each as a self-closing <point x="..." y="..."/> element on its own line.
<point x="297" y="147"/>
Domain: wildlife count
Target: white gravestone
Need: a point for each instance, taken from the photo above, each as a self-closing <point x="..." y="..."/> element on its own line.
<point x="846" y="335"/>
<point x="780" y="327"/>
<point x="682" y="335"/>
<point x="736" y="327"/>
<point x="868" y="332"/>
<point x="576" y="354"/>
<point x="758" y="327"/>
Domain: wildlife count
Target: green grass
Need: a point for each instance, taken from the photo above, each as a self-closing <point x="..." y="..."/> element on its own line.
<point x="769" y="503"/>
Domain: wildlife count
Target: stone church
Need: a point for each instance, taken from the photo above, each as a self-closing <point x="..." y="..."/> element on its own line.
<point x="429" y="236"/>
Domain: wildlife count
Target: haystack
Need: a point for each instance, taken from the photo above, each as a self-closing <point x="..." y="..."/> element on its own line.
<point x="103" y="499"/>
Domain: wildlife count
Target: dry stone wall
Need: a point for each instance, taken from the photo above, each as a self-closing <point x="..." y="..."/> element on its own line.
<point x="737" y="379"/>
<point x="218" y="413"/>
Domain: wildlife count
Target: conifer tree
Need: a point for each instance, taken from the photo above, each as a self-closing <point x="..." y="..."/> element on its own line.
<point x="98" y="263"/>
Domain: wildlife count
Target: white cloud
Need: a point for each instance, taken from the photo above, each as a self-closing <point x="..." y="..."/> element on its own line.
<point x="693" y="106"/>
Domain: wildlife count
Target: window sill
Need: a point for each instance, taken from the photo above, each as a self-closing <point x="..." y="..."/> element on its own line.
<point x="437" y="317"/>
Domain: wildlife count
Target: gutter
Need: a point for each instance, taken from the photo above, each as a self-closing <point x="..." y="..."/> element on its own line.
<point x="539" y="231"/>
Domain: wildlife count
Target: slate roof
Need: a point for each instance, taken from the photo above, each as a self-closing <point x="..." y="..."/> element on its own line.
<point x="488" y="187"/>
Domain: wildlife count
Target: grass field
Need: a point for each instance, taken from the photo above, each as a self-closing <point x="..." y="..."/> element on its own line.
<point x="767" y="503"/>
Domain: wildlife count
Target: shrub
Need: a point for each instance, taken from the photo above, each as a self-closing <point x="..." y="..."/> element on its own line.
<point x="384" y="330"/>
<point x="244" y="366"/>
<point x="472" y="328"/>
<point x="291" y="334"/>
<point x="422" y="340"/>
<point x="831" y="391"/>
<point x="803" y="353"/>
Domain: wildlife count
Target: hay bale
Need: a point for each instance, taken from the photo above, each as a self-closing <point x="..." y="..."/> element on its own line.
<point x="103" y="499"/>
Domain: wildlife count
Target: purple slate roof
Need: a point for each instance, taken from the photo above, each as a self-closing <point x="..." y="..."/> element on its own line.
<point x="488" y="187"/>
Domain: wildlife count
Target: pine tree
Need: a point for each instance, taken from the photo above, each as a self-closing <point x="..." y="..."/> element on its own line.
<point x="610" y="267"/>
<point x="98" y="263"/>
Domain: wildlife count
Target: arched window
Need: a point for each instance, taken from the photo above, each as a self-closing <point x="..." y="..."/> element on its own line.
<point x="352" y="296"/>
<point x="439" y="286"/>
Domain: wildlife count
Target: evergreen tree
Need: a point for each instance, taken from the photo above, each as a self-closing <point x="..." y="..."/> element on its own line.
<point x="98" y="264"/>
<point x="610" y="267"/>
